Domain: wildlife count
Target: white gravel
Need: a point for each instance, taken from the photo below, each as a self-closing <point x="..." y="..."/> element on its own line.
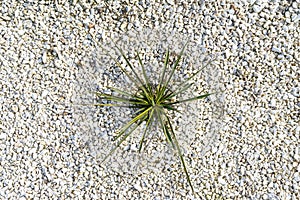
<point x="47" y="58"/>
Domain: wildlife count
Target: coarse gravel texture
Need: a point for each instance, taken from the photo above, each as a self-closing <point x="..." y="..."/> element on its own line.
<point x="47" y="53"/>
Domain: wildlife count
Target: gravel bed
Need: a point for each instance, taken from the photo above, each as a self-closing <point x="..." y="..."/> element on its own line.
<point x="241" y="144"/>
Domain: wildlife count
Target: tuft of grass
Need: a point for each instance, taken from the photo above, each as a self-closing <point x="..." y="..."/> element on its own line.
<point x="152" y="102"/>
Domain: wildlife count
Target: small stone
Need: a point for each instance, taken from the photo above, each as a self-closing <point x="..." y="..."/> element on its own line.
<point x="275" y="49"/>
<point x="45" y="93"/>
<point x="44" y="58"/>
<point x="221" y="180"/>
<point x="3" y="136"/>
<point x="10" y="115"/>
<point x="6" y="18"/>
<point x="171" y="2"/>
<point x="126" y="148"/>
<point x="295" y="17"/>
<point x="287" y="14"/>
<point x="15" y="108"/>
<point x="297" y="130"/>
<point x="138" y="187"/>
<point x="231" y="11"/>
<point x="257" y="8"/>
<point x="265" y="196"/>
<point x="21" y="32"/>
<point x="51" y="170"/>
<point x="123" y="26"/>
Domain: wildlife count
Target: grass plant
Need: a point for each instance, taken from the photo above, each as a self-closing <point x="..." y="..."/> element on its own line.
<point x="151" y="103"/>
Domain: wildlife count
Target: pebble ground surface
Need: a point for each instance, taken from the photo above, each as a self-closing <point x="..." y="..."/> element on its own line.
<point x="47" y="52"/>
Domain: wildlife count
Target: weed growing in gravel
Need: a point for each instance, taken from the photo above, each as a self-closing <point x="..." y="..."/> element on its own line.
<point x="151" y="103"/>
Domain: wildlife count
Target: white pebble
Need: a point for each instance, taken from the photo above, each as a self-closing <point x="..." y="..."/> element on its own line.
<point x="257" y="8"/>
<point x="15" y="108"/>
<point x="221" y="180"/>
<point x="137" y="187"/>
<point x="280" y="56"/>
<point x="295" y="17"/>
<point x="3" y="136"/>
<point x="275" y="49"/>
<point x="44" y="57"/>
<point x="45" y="93"/>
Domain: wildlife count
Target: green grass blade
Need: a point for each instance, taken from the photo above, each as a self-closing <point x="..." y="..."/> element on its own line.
<point x="164" y="127"/>
<point x="122" y="68"/>
<point x="179" y="153"/>
<point x="117" y="62"/>
<point x="120" y="142"/>
<point x="125" y="72"/>
<point x="112" y="98"/>
<point x="169" y="107"/>
<point x="146" y="90"/>
<point x="121" y="92"/>
<point x="102" y="105"/>
<point x="161" y="90"/>
<point x="142" y="109"/>
<point x="162" y="86"/>
<point x="191" y="99"/>
<point x="134" y="101"/>
<point x="144" y="72"/>
<point x="165" y="67"/>
<point x="149" y="121"/>
<point x="132" y="97"/>
<point x="130" y="65"/>
<point x="176" y="64"/>
<point x="191" y="77"/>
<point x="109" y="105"/>
<point x="134" y="120"/>
<point x="179" y="91"/>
